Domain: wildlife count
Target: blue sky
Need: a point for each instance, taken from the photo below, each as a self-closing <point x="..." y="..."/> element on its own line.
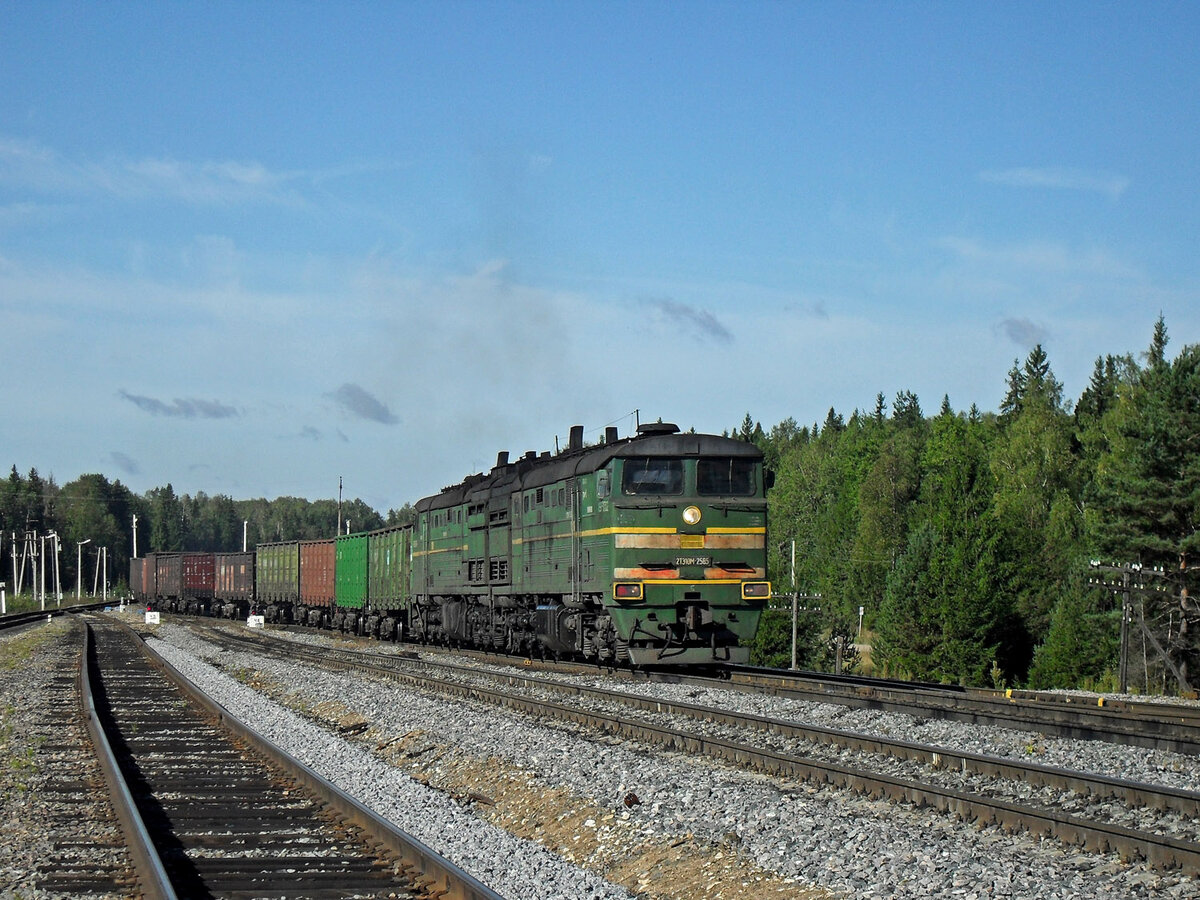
<point x="249" y="248"/>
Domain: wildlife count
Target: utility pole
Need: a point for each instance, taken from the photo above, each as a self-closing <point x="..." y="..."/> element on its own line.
<point x="79" y="565"/>
<point x="338" y="530"/>
<point x="28" y="552"/>
<point x="796" y="598"/>
<point x="41" y="579"/>
<point x="795" y="605"/>
<point x="135" y="535"/>
<point x="57" y="571"/>
<point x="1146" y="583"/>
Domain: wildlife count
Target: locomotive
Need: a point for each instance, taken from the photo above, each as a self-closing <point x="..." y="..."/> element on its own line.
<point x="648" y="551"/>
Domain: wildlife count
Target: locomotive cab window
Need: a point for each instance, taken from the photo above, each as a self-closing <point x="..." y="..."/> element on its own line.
<point x="652" y="475"/>
<point x="726" y="476"/>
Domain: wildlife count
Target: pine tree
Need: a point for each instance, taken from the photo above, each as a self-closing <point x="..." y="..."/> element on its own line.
<point x="1033" y="465"/>
<point x="906" y="410"/>
<point x="1081" y="647"/>
<point x="880" y="408"/>
<point x="1146" y="498"/>
<point x="1011" y="404"/>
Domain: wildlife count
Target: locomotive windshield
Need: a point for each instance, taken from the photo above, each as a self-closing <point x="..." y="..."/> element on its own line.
<point x="725" y="476"/>
<point x="652" y="475"/>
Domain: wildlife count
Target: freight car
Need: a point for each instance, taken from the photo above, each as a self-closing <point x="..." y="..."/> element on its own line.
<point x="648" y="550"/>
<point x="233" y="591"/>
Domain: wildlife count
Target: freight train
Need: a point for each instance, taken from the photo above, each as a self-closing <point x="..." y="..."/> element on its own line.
<point x="648" y="550"/>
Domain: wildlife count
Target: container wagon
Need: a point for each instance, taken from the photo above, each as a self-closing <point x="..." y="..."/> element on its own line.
<point x="350" y="581"/>
<point x="233" y="593"/>
<point x="317" y="585"/>
<point x="199" y="582"/>
<point x="389" y="553"/>
<point x="277" y="580"/>
<point x="168" y="581"/>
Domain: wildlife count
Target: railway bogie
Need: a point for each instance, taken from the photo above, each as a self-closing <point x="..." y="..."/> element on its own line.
<point x="647" y="551"/>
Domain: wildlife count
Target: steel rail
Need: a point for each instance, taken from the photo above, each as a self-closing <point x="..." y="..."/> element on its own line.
<point x="1104" y="787"/>
<point x="441" y="878"/>
<point x="148" y="867"/>
<point x="31" y="617"/>
<point x="1158" y="850"/>
<point x="1153" y="726"/>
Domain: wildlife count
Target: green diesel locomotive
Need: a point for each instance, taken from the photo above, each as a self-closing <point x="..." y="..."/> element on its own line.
<point x="648" y="550"/>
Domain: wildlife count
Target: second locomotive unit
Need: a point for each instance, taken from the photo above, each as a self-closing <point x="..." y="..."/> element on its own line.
<point x="648" y="550"/>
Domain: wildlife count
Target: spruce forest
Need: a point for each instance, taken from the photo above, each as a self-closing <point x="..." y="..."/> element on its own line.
<point x="1048" y="544"/>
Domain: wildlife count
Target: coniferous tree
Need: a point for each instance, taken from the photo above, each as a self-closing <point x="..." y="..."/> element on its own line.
<point x="1038" y="524"/>
<point x="1011" y="403"/>
<point x="1146" y="497"/>
<point x="1081" y="645"/>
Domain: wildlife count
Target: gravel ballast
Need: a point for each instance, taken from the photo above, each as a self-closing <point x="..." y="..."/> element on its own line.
<point x="813" y="838"/>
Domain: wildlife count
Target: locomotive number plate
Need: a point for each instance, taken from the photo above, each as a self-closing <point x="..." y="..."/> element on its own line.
<point x="693" y="561"/>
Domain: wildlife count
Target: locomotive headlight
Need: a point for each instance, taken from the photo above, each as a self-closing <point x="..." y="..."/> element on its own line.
<point x="756" y="590"/>
<point x="691" y="515"/>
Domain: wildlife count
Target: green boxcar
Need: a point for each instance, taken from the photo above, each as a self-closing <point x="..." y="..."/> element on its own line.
<point x="277" y="573"/>
<point x="388" y="568"/>
<point x="350" y="571"/>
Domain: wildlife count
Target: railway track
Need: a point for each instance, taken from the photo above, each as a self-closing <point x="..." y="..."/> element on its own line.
<point x="1155" y="726"/>
<point x="13" y="621"/>
<point x="211" y="810"/>
<point x="933" y="776"/>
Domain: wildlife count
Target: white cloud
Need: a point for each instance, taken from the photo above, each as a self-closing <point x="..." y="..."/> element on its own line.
<point x="1042" y="256"/>
<point x="29" y="166"/>
<point x="1059" y="179"/>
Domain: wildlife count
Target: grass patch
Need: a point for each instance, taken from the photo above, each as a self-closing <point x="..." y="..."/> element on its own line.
<point x="19" y="650"/>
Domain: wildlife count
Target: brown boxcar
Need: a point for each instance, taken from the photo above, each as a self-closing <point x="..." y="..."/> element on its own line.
<point x="141" y="578"/>
<point x="317" y="561"/>
<point x="168" y="576"/>
<point x="199" y="575"/>
<point x="234" y="576"/>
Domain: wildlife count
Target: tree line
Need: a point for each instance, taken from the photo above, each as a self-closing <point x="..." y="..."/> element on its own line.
<point x="968" y="539"/>
<point x="971" y="540"/>
<point x="100" y="512"/>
